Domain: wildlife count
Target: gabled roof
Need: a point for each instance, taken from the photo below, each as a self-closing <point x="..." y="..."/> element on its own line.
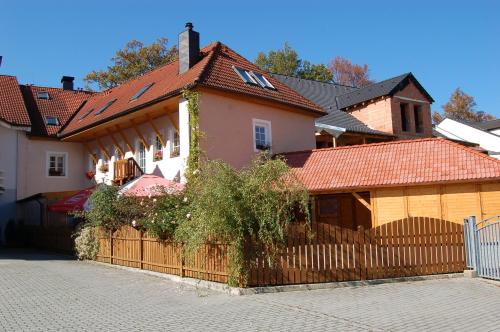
<point x="384" y="88"/>
<point x="61" y="104"/>
<point x="397" y="163"/>
<point x="324" y="94"/>
<point x="214" y="70"/>
<point x="12" y="108"/>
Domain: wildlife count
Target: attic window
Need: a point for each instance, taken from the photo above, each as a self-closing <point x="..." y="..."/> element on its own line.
<point x="245" y="76"/>
<point x="52" y="121"/>
<point x="105" y="107"/>
<point x="141" y="91"/>
<point x="262" y="80"/>
<point x="85" y="114"/>
<point x="43" y="95"/>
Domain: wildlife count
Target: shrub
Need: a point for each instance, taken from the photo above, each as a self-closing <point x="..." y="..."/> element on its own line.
<point x="86" y="243"/>
<point x="253" y="205"/>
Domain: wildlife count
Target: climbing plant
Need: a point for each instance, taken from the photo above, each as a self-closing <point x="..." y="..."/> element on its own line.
<point x="195" y="152"/>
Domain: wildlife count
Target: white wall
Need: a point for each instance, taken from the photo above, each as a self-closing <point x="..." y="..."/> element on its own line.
<point x="8" y="156"/>
<point x="456" y="130"/>
<point x="170" y="167"/>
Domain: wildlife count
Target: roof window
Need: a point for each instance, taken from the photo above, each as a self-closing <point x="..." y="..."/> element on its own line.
<point x="141" y="91"/>
<point x="262" y="80"/>
<point x="43" y="95"/>
<point x="105" y="107"/>
<point x="52" y="121"/>
<point x="85" y="114"/>
<point x="245" y="76"/>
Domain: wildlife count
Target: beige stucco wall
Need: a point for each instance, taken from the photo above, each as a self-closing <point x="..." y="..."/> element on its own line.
<point x="32" y="174"/>
<point x="227" y="127"/>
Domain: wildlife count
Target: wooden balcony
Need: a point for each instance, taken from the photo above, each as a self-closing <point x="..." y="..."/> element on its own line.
<point x="126" y="170"/>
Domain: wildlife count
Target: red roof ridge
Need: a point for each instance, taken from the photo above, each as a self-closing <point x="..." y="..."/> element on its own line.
<point x="58" y="89"/>
<point x="213" y="49"/>
<point x="352" y="147"/>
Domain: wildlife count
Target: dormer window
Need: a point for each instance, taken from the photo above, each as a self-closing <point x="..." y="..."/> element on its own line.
<point x="141" y="91"/>
<point x="52" y="121"/>
<point x="85" y="114"/>
<point x="262" y="80"/>
<point x="245" y="76"/>
<point x="253" y="78"/>
<point x="105" y="107"/>
<point x="44" y="95"/>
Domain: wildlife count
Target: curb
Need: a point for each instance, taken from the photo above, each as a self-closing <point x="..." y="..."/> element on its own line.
<point x="237" y="291"/>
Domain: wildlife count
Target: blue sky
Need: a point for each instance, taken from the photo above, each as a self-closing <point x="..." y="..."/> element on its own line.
<point x="446" y="44"/>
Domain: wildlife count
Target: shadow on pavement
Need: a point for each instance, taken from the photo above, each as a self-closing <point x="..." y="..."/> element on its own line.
<point x="29" y="254"/>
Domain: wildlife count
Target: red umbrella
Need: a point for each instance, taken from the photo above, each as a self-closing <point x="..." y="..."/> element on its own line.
<point x="150" y="185"/>
<point x="75" y="202"/>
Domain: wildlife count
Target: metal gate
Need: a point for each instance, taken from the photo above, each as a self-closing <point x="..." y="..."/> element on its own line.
<point x="482" y="246"/>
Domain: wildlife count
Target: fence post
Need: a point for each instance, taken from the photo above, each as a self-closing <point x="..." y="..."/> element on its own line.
<point x="471" y="246"/>
<point x="140" y="250"/>
<point x="111" y="247"/>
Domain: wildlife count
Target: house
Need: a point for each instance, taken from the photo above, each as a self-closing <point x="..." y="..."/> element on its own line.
<point x="379" y="183"/>
<point x="484" y="134"/>
<point x="397" y="108"/>
<point x="143" y="125"/>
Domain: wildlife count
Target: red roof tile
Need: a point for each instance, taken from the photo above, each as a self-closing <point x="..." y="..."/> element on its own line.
<point x="412" y="162"/>
<point x="12" y="108"/>
<point x="214" y="69"/>
<point x="62" y="104"/>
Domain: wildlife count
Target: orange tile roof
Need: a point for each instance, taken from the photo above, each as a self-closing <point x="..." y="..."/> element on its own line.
<point x="62" y="104"/>
<point x="12" y="108"/>
<point x="214" y="69"/>
<point x="398" y="163"/>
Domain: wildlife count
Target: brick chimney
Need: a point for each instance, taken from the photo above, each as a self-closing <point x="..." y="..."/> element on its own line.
<point x="189" y="48"/>
<point x="67" y="82"/>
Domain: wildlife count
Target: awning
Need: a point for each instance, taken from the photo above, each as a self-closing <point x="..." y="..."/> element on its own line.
<point x="75" y="202"/>
<point x="150" y="185"/>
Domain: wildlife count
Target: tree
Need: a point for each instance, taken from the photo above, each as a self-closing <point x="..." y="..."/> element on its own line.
<point x="346" y="73"/>
<point x="283" y="61"/>
<point x="317" y="72"/>
<point x="462" y="106"/>
<point x="133" y="60"/>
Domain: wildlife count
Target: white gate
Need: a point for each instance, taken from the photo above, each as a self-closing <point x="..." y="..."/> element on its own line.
<point x="482" y="246"/>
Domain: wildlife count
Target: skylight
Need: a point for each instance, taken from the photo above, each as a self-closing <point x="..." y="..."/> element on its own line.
<point x="43" y="95"/>
<point x="262" y="80"/>
<point x="85" y="114"/>
<point x="102" y="109"/>
<point x="52" y="121"/>
<point x="245" y="76"/>
<point x="141" y="91"/>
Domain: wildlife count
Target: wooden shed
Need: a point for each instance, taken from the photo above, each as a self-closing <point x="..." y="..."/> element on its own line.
<point x="374" y="184"/>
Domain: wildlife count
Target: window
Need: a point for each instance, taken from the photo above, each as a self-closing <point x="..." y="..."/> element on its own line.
<point x="262" y="80"/>
<point x="52" y="121"/>
<point x="43" y="95"/>
<point x="262" y="135"/>
<point x="245" y="76"/>
<point x="102" y="109"/>
<point x="419" y="123"/>
<point x="158" y="149"/>
<point x="141" y="91"/>
<point x="56" y="164"/>
<point x="404" y="116"/>
<point x="141" y="156"/>
<point x="85" y="114"/>
<point x="176" y="144"/>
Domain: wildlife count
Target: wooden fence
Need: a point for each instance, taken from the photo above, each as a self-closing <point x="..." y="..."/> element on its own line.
<point x="409" y="247"/>
<point x="130" y="247"/>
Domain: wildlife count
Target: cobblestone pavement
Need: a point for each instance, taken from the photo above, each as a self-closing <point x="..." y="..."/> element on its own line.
<point x="40" y="292"/>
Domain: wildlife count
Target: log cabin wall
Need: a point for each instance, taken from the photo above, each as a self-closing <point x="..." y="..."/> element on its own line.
<point x="452" y="202"/>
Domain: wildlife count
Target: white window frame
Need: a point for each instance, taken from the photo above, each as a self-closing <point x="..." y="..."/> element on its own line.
<point x="138" y="153"/>
<point x="268" y="132"/>
<point x="47" y="164"/>
<point x="172" y="146"/>
<point x="156" y="139"/>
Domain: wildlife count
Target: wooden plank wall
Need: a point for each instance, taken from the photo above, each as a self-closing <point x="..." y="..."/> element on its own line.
<point x="406" y="247"/>
<point x="130" y="247"/>
<point x="449" y="202"/>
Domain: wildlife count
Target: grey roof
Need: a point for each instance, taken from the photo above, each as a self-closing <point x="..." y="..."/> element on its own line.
<point x="488" y="125"/>
<point x="321" y="93"/>
<point x="383" y="88"/>
<point x="324" y="94"/>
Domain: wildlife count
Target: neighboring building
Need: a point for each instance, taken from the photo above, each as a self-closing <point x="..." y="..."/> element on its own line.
<point x="485" y="134"/>
<point x="143" y="124"/>
<point x="375" y="184"/>
<point x="397" y="108"/>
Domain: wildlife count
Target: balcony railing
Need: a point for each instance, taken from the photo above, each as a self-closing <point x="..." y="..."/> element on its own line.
<point x="126" y="170"/>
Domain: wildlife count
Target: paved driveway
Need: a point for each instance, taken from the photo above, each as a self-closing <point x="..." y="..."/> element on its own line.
<point x="47" y="293"/>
